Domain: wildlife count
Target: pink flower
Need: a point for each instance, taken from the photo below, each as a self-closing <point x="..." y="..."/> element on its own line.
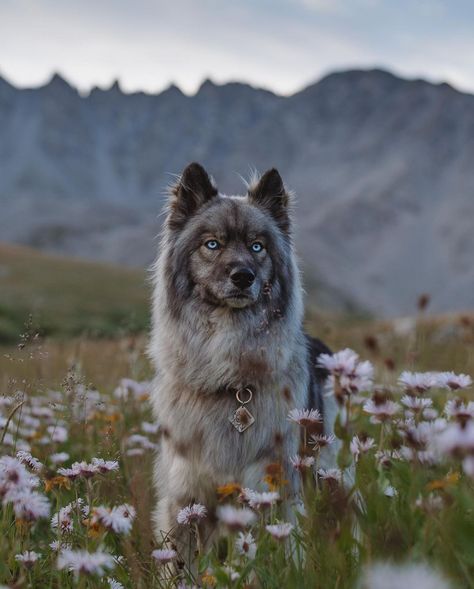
<point x="191" y="514"/>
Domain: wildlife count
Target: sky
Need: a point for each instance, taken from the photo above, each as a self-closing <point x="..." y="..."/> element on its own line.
<point x="282" y="45"/>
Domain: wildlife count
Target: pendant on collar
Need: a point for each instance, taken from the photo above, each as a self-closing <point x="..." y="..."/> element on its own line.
<point x="242" y="419"/>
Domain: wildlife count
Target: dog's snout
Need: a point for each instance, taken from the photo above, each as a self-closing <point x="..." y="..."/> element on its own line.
<point x="242" y="277"/>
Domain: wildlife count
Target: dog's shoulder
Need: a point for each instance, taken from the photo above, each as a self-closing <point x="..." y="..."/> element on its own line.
<point x="318" y="374"/>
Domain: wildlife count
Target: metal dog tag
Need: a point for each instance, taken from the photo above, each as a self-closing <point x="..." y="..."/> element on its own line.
<point x="241" y="419"/>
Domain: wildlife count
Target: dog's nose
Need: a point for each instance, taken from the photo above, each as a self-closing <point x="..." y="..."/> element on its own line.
<point x="242" y="277"/>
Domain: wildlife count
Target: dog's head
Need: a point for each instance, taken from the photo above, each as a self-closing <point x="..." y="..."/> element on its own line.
<point x="231" y="251"/>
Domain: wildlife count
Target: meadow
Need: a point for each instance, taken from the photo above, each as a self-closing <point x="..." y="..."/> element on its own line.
<point x="77" y="444"/>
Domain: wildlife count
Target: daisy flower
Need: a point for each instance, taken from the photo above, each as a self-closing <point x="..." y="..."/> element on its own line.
<point x="117" y="519"/>
<point x="279" y="531"/>
<point x="28" y="558"/>
<point x="257" y="500"/>
<point x="164" y="555"/>
<point x="456" y="440"/>
<point x="330" y="474"/>
<point x="30" y="505"/>
<point x="305" y="417"/>
<point x="418" y="382"/>
<point x="104" y="466"/>
<point x="416" y="404"/>
<point x="462" y="412"/>
<point x="83" y="562"/>
<point x="381" y="411"/>
<point x="301" y="463"/>
<point x="320" y="441"/>
<point x="236" y="518"/>
<point x="245" y="545"/>
<point x="453" y="381"/>
<point x="191" y="514"/>
<point x="340" y="363"/>
<point x="114" y="584"/>
<point x="150" y="428"/>
<point x="57" y="433"/>
<point x="28" y="460"/>
<point x="360" y="446"/>
<point x="59" y="457"/>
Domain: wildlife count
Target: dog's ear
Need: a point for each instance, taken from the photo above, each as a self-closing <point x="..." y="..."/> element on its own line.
<point x="193" y="189"/>
<point x="269" y="192"/>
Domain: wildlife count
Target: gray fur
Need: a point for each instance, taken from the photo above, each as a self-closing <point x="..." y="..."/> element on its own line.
<point x="205" y="344"/>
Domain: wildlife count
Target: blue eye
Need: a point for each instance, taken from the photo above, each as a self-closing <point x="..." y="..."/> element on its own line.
<point x="212" y="244"/>
<point x="257" y="246"/>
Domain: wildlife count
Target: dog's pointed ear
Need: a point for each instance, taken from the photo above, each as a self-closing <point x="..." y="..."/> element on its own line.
<point x="193" y="189"/>
<point x="269" y="192"/>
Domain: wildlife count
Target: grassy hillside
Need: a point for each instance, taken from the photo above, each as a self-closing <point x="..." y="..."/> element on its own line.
<point x="63" y="296"/>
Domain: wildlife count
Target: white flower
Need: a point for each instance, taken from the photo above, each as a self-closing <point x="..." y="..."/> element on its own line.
<point x="420" y="382"/>
<point x="114" y="584"/>
<point x="456" y="440"/>
<point x="29" y="505"/>
<point x="245" y="545"/>
<point x="63" y="519"/>
<point x="117" y="519"/>
<point x="390" y="491"/>
<point x="84" y="469"/>
<point x="141" y="441"/>
<point x="104" y="466"/>
<point x="191" y="514"/>
<point x="236" y="518"/>
<point x="279" y="531"/>
<point x="453" y="381"/>
<point x="231" y="573"/>
<point x="28" y="460"/>
<point x="321" y="440"/>
<point x="305" y="417"/>
<point x="361" y="446"/>
<point x="391" y="576"/>
<point x="381" y="411"/>
<point x="57" y="545"/>
<point x="13" y="476"/>
<point x="28" y="558"/>
<point x="57" y="433"/>
<point x="330" y="474"/>
<point x="257" y="500"/>
<point x="135" y="452"/>
<point x="458" y="410"/>
<point x="468" y="466"/>
<point x="301" y="463"/>
<point x="131" y="388"/>
<point x="340" y="363"/>
<point x="59" y="457"/>
<point x="164" y="555"/>
<point x="150" y="428"/>
<point x="71" y="473"/>
<point x="83" y="562"/>
<point x="416" y="403"/>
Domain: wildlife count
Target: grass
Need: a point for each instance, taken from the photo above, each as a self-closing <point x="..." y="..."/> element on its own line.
<point x="346" y="528"/>
<point x="65" y="297"/>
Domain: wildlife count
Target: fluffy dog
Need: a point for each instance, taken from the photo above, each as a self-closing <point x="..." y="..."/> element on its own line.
<point x="227" y="342"/>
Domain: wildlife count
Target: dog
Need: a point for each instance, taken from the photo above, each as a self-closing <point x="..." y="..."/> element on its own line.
<point x="228" y="345"/>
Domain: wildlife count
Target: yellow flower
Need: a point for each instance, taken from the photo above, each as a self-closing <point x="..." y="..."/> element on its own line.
<point x="209" y="580"/>
<point x="449" y="480"/>
<point x="227" y="490"/>
<point x="57" y="481"/>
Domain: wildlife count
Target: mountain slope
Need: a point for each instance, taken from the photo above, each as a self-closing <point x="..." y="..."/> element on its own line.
<point x="381" y="167"/>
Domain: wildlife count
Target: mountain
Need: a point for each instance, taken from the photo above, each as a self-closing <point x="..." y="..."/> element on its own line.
<point x="382" y="169"/>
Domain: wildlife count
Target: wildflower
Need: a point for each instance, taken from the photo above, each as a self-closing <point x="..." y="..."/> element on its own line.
<point x="320" y="441"/>
<point x="141" y="441"/>
<point x="386" y="457"/>
<point x="208" y="579"/>
<point x="228" y="490"/>
<point x="191" y="514"/>
<point x="117" y="519"/>
<point x="131" y="388"/>
<point x="231" y="573"/>
<point x="59" y="457"/>
<point x="28" y="558"/>
<point x="390" y="491"/>
<point x="13" y="476"/>
<point x="135" y="452"/>
<point x="30" y="506"/>
<point x="150" y="428"/>
<point x="257" y="500"/>
<point x="83" y="562"/>
<point x="104" y="466"/>
<point x="71" y="473"/>
<point x="430" y="504"/>
<point x="57" y="433"/>
<point x="456" y="440"/>
<point x="85" y="470"/>
<point x="63" y="519"/>
<point x="330" y="474"/>
<point x="360" y="446"/>
<point x="114" y="584"/>
<point x="28" y="460"/>
<point x="305" y="417"/>
<point x="416" y="404"/>
<point x="340" y="363"/>
<point x="58" y="481"/>
<point x="235" y="518"/>
<point x="245" y="545"/>
<point x="381" y="411"/>
<point x="279" y="531"/>
<point x="461" y="412"/>
<point x="391" y="576"/>
<point x="453" y="381"/>
<point x="418" y="382"/>
<point x="164" y="555"/>
<point x="301" y="463"/>
<point x="57" y="545"/>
